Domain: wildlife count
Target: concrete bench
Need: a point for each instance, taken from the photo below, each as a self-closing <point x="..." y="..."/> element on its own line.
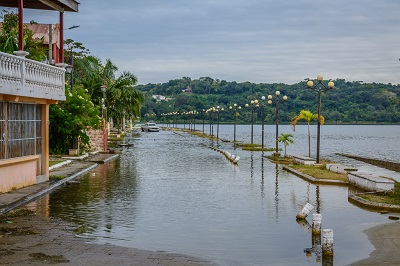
<point x="370" y="182"/>
<point x="340" y="168"/>
<point x="303" y="160"/>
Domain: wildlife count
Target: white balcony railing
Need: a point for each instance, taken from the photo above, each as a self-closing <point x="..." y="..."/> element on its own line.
<point x="24" y="77"/>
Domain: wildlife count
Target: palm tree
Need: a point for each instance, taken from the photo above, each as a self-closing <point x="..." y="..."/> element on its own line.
<point x="286" y="139"/>
<point x="308" y="116"/>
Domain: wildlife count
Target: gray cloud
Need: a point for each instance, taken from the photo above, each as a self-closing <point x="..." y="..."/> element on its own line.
<point x="253" y="40"/>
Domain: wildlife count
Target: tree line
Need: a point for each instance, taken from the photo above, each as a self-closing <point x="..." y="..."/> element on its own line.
<point x="348" y="102"/>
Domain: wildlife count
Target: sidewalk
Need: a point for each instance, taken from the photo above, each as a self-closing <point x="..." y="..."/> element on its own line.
<point x="37" y="240"/>
<point x="20" y="197"/>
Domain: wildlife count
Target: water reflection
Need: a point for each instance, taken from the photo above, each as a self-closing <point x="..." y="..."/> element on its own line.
<point x="276" y="192"/>
<point x="171" y="192"/>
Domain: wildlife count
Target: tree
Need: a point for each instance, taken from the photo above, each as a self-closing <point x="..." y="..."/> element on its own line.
<point x="70" y="118"/>
<point x="308" y="116"/>
<point x="286" y="139"/>
<point x="9" y="38"/>
<point x="124" y="101"/>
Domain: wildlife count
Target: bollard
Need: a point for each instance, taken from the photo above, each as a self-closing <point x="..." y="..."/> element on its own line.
<point x="305" y="211"/>
<point x="327" y="242"/>
<point x="316" y="224"/>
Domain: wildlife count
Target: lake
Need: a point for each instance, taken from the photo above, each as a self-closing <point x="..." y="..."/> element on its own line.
<point x="171" y="192"/>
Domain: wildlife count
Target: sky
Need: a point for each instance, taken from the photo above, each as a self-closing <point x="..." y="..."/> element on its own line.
<point x="260" y="41"/>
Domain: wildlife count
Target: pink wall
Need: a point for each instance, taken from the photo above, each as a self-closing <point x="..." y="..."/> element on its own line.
<point x="23" y="172"/>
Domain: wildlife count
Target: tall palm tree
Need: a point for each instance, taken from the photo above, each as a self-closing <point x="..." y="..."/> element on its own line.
<point x="308" y="116"/>
<point x="124" y="101"/>
<point x="286" y="139"/>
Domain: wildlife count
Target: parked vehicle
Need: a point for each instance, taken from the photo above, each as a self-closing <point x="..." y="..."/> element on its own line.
<point x="150" y="127"/>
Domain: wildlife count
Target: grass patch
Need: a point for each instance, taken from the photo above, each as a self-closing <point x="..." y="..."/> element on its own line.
<point x="51" y="163"/>
<point x="57" y="177"/>
<point x="115" y="139"/>
<point x="201" y="135"/>
<point x="385" y="197"/>
<point x="279" y="159"/>
<point x="319" y="172"/>
<point x="111" y="144"/>
<point x="253" y="147"/>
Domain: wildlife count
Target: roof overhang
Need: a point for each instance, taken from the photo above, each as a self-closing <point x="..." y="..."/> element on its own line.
<point x="58" y="5"/>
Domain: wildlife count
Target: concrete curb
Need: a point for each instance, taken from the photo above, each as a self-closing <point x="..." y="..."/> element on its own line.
<point x="356" y="200"/>
<point x="313" y="179"/>
<point x="56" y="166"/>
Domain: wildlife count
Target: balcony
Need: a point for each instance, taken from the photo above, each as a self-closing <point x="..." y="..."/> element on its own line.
<point x="24" y="77"/>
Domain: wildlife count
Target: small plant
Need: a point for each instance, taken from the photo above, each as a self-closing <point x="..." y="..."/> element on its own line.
<point x="286" y="139"/>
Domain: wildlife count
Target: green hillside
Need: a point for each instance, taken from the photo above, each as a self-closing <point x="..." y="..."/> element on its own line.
<point x="348" y="102"/>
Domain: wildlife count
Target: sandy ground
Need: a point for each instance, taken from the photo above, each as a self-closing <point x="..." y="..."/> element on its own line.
<point x="386" y="240"/>
<point x="30" y="239"/>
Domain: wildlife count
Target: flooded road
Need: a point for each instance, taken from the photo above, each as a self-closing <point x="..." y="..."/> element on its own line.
<point x="171" y="192"/>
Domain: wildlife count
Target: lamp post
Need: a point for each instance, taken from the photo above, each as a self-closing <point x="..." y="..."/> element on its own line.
<point x="253" y="104"/>
<point x="103" y="115"/>
<point x="194" y="120"/>
<point x="319" y="88"/>
<point x="204" y="115"/>
<point x="219" y="109"/>
<point x="184" y="120"/>
<point x="279" y="99"/>
<point x="262" y="119"/>
<point x="234" y="109"/>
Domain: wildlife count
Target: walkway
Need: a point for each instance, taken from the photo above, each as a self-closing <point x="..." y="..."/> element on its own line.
<point x="32" y="239"/>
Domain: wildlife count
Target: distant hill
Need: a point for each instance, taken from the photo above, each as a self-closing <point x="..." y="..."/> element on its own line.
<point x="348" y="102"/>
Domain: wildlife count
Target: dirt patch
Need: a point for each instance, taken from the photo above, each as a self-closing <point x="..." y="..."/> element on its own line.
<point x="49" y="259"/>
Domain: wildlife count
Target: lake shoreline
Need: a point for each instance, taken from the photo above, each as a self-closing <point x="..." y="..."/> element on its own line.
<point x="386" y="239"/>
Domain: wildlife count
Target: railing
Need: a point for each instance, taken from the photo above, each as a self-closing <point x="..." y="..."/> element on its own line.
<point x="24" y="77"/>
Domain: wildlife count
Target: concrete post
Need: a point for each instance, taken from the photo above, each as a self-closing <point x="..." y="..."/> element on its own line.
<point x="305" y="211"/>
<point x="316" y="223"/>
<point x="327" y="242"/>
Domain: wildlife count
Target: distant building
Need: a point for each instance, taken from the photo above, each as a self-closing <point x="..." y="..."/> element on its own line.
<point x="158" y="97"/>
<point x="188" y="89"/>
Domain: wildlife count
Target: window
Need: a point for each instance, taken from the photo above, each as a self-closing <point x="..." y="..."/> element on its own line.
<point x="21" y="129"/>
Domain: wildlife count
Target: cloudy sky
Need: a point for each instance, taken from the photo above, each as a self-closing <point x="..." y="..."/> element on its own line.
<point x="261" y="41"/>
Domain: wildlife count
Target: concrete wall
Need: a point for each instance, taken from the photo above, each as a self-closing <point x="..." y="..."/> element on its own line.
<point x="96" y="139"/>
<point x="18" y="172"/>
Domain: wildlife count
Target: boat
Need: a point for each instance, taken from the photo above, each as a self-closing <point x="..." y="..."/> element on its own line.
<point x="150" y="127"/>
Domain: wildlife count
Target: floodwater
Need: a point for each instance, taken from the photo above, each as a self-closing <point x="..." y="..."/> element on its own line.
<point x="171" y="192"/>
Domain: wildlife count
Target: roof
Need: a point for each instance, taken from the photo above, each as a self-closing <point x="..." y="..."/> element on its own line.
<point x="42" y="31"/>
<point x="59" y="5"/>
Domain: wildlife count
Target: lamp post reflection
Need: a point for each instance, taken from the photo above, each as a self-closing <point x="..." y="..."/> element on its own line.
<point x="103" y="115"/>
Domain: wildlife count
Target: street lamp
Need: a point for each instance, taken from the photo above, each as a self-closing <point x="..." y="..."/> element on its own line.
<point x="219" y="109"/>
<point x="103" y="115"/>
<point x="263" y="118"/>
<point x="319" y="88"/>
<point x="234" y="109"/>
<point x="204" y="116"/>
<point x="194" y="120"/>
<point x="279" y="99"/>
<point x="253" y="105"/>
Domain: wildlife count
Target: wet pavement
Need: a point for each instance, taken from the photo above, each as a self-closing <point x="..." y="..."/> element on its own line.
<point x="52" y="241"/>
